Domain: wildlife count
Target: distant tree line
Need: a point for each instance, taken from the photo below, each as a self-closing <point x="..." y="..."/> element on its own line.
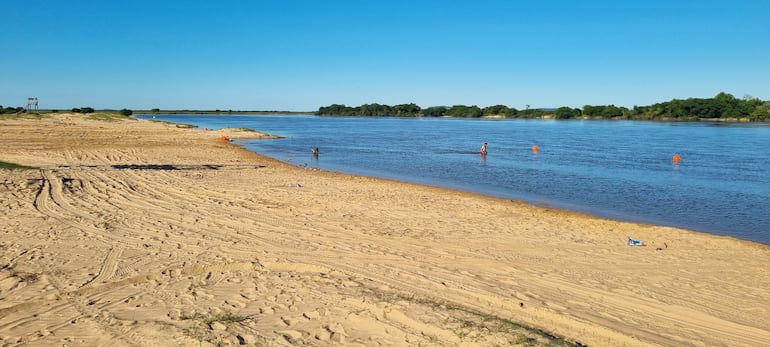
<point x="412" y="110"/>
<point x="371" y="110"/>
<point x="8" y="109"/>
<point x="722" y="106"/>
<point x="83" y="110"/>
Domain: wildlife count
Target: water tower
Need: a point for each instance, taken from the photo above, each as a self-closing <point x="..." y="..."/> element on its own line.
<point x="32" y="104"/>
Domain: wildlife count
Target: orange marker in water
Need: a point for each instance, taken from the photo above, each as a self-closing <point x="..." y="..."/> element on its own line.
<point x="535" y="148"/>
<point x="676" y="158"/>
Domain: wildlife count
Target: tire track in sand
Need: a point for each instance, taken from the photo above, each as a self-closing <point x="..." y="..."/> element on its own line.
<point x="108" y="268"/>
<point x="51" y="202"/>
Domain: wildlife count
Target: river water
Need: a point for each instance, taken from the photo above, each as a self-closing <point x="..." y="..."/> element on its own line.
<point x="614" y="169"/>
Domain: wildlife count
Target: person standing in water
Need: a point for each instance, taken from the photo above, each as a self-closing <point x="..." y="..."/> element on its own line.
<point x="483" y="150"/>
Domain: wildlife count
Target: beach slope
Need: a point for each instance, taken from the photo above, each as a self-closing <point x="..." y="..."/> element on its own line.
<point x="139" y="233"/>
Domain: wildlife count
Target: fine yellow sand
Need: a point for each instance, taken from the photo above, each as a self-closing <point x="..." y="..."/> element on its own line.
<point x="138" y="233"/>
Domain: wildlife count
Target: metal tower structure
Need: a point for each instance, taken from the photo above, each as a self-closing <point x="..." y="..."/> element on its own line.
<point x="32" y="104"/>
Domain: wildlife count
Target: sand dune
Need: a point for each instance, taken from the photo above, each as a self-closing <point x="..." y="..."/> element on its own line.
<point x="138" y="233"/>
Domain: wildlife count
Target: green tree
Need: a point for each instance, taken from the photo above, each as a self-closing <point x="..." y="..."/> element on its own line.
<point x="435" y="111"/>
<point x="406" y="110"/>
<point x="748" y="105"/>
<point x="612" y="111"/>
<point x="761" y="112"/>
<point x="126" y="112"/>
<point x="531" y="113"/>
<point x="464" y="111"/>
<point x="335" y="110"/>
<point x="374" y="110"/>
<point x="591" y="111"/>
<point x="727" y="103"/>
<point x="498" y="110"/>
<point x="565" y="112"/>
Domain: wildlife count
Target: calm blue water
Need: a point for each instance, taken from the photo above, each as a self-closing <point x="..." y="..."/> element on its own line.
<point x="614" y="169"/>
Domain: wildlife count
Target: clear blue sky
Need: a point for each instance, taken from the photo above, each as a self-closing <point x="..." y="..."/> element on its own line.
<point x="299" y="55"/>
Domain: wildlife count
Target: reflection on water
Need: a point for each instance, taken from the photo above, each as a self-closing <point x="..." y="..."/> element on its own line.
<point x="615" y="169"/>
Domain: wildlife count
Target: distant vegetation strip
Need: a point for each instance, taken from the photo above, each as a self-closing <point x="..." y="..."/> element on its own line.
<point x="84" y="110"/>
<point x="723" y="106"/>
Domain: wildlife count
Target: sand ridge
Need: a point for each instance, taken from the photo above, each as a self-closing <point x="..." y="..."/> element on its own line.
<point x="139" y="233"/>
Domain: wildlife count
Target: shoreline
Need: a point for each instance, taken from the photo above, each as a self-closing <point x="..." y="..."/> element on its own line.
<point x="100" y="250"/>
<point x="246" y="134"/>
<point x="608" y="212"/>
<point x="544" y="205"/>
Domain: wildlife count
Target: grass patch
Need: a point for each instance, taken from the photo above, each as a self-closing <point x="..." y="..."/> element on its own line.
<point x="467" y="322"/>
<point x="200" y="329"/>
<point x="25" y="115"/>
<point x="107" y="116"/>
<point x="224" y="317"/>
<point x="249" y="130"/>
<point x="178" y="125"/>
<point x="196" y="316"/>
<point x="12" y="166"/>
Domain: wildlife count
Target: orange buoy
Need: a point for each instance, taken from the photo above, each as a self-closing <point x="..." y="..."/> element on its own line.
<point x="224" y="138"/>
<point x="535" y="148"/>
<point x="676" y="158"/>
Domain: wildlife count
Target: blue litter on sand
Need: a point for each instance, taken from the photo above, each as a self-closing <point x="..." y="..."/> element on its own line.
<point x="633" y="242"/>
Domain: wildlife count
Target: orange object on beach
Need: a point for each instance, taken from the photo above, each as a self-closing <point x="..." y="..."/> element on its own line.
<point x="206" y="129"/>
<point x="535" y="148"/>
<point x="225" y="138"/>
<point x="676" y="158"/>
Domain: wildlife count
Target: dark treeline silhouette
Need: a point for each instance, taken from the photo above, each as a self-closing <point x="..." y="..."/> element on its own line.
<point x="723" y="106"/>
<point x="83" y="110"/>
<point x="23" y="110"/>
<point x="8" y="109"/>
<point x="412" y="110"/>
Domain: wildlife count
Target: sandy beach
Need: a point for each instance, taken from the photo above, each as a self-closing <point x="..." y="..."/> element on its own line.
<point x="140" y="233"/>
